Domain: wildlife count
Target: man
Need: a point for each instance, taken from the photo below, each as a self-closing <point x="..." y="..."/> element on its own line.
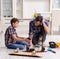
<point x="38" y="28"/>
<point x="12" y="41"/>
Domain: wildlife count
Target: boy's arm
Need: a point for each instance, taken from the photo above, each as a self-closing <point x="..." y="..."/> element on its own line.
<point x="17" y="38"/>
<point x="20" y="39"/>
<point x="14" y="35"/>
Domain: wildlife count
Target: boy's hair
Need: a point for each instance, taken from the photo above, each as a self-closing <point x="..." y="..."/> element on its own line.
<point x="14" y="20"/>
<point x="39" y="18"/>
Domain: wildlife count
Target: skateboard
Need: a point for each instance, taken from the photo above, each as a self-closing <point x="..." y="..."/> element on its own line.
<point x="29" y="54"/>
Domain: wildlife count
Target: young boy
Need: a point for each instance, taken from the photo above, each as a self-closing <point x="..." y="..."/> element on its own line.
<point x="12" y="41"/>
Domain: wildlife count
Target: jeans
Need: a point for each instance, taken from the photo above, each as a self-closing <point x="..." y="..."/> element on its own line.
<point x="17" y="44"/>
<point x="35" y="39"/>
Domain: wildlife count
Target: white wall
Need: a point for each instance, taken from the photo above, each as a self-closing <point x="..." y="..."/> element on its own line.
<point x="55" y="20"/>
<point x="30" y="6"/>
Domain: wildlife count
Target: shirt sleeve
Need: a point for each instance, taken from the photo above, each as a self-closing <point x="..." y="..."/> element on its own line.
<point x="30" y="29"/>
<point x="11" y="31"/>
<point x="46" y="22"/>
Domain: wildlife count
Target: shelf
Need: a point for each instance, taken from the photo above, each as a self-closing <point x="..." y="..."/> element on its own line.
<point x="40" y="6"/>
<point x="7" y="8"/>
<point x="19" y="8"/>
<point x="55" y="8"/>
<point x="0" y="10"/>
<point x="45" y="12"/>
<point x="56" y="4"/>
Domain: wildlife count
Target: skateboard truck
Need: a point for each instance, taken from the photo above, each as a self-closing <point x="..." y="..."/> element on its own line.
<point x="16" y="50"/>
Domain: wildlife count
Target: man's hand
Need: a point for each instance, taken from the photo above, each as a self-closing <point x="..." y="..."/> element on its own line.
<point x="46" y="28"/>
<point x="31" y="36"/>
<point x="43" y="21"/>
<point x="27" y="40"/>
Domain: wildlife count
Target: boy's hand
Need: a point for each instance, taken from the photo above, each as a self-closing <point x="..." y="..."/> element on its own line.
<point x="27" y="40"/>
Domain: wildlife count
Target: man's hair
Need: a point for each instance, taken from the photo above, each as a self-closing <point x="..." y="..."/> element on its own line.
<point x="39" y="18"/>
<point x="14" y="20"/>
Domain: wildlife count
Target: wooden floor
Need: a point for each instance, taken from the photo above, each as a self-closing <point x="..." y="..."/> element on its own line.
<point x="46" y="55"/>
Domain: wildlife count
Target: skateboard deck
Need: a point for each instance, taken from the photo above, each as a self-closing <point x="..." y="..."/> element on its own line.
<point x="29" y="54"/>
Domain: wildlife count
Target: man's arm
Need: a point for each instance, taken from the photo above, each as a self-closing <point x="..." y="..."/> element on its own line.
<point x="46" y="28"/>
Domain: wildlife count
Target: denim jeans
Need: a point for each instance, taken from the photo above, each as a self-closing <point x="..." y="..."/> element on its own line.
<point x="35" y="39"/>
<point x="17" y="44"/>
